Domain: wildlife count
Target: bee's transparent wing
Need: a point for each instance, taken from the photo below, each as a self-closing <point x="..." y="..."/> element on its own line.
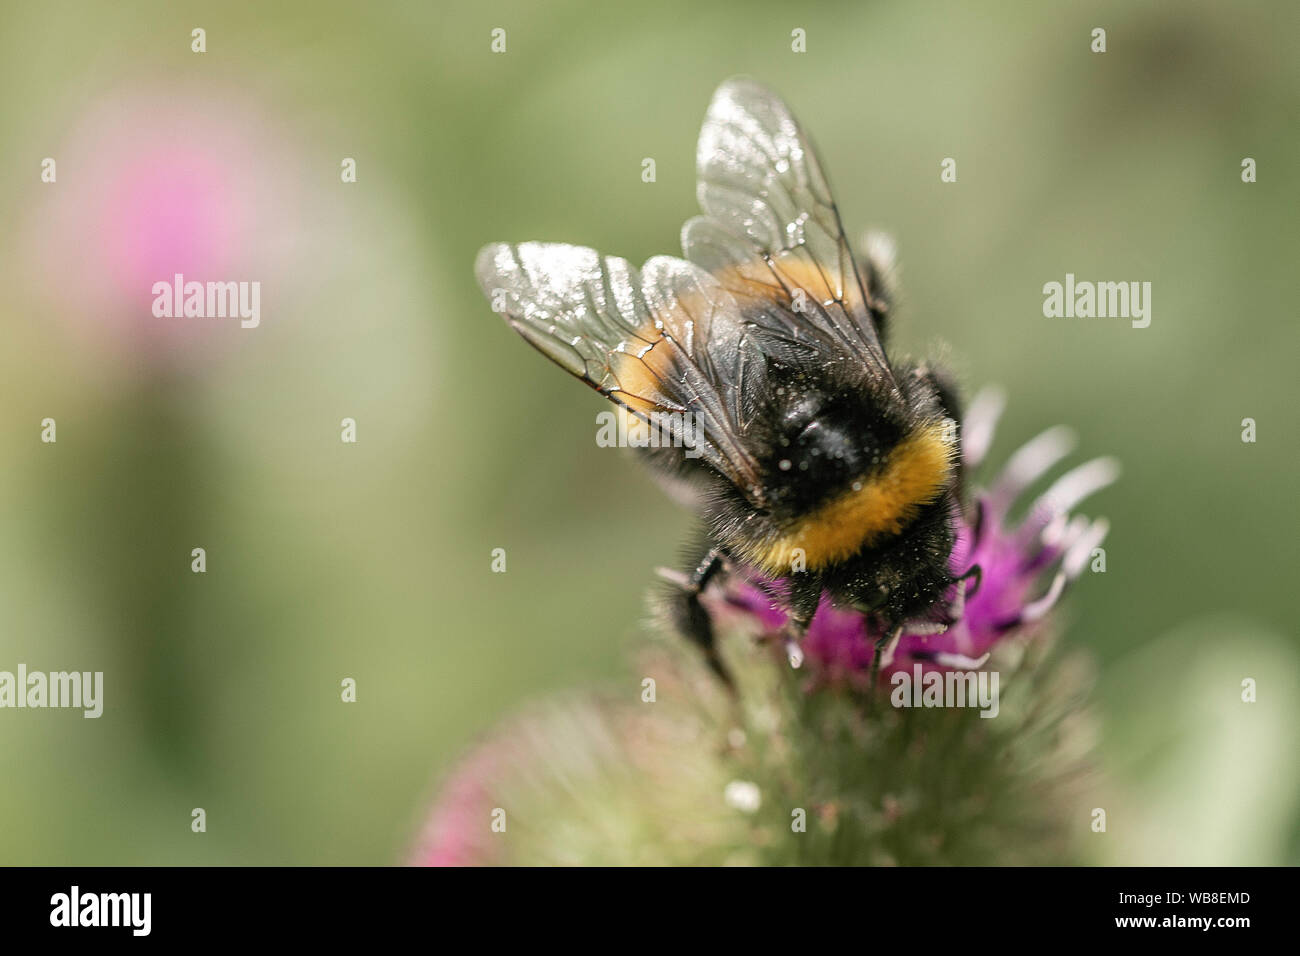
<point x="664" y="339"/>
<point x="771" y="234"/>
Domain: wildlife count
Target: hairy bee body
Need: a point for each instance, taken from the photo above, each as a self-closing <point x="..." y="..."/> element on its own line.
<point x="859" y="502"/>
<point x="821" y="466"/>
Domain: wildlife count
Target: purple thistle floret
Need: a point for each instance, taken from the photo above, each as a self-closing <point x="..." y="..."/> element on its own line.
<point x="1024" y="566"/>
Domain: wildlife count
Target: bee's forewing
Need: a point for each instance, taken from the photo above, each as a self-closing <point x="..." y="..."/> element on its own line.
<point x="661" y="340"/>
<point x="770" y="232"/>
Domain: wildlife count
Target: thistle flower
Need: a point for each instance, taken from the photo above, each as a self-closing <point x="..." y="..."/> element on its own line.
<point x="812" y="765"/>
<point x="190" y="183"/>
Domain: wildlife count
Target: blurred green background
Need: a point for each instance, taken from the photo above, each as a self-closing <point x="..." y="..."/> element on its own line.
<point x="329" y="560"/>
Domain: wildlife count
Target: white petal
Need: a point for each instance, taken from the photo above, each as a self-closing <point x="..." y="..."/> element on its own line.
<point x="961" y="661"/>
<point x="1077" y="484"/>
<point x="1031" y="461"/>
<point x="980" y="424"/>
<point x="794" y="653"/>
<point x="1038" y="609"/>
<point x="1081" y="550"/>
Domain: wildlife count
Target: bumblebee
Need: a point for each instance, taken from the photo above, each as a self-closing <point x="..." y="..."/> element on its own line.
<point x="819" y="466"/>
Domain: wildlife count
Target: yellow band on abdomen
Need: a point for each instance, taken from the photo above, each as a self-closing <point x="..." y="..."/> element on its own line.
<point x="915" y="475"/>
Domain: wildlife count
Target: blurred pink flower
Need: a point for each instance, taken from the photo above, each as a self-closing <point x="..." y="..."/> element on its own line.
<point x="150" y="185"/>
<point x="457" y="834"/>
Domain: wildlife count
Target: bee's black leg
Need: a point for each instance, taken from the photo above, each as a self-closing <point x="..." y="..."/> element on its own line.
<point x="882" y="653"/>
<point x="801" y="605"/>
<point x="792" y="636"/>
<point x="688" y="614"/>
